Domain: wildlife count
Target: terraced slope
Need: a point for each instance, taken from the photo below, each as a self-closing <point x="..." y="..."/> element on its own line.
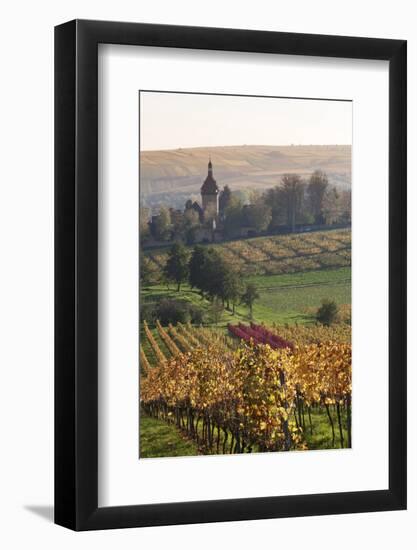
<point x="171" y="177"/>
<point x="279" y="254"/>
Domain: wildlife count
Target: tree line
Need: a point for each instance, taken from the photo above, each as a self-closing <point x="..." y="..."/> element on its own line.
<point x="207" y="271"/>
<point x="295" y="202"/>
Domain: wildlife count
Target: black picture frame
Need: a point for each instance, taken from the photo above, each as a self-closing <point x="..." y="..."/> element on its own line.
<point x="76" y="272"/>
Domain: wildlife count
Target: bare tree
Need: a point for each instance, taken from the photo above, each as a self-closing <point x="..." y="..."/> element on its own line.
<point x="316" y="190"/>
<point x="293" y="187"/>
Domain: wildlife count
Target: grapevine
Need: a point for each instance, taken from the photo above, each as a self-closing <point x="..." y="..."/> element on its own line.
<point x="252" y="398"/>
<point x="182" y="341"/>
<point x="158" y="353"/>
<point x="144" y="363"/>
<point x="170" y="344"/>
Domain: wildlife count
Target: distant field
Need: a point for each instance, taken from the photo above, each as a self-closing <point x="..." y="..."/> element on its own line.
<point x="171" y="177"/>
<point x="279" y="254"/>
<point x="303" y="279"/>
<point x="291" y="298"/>
<point x="288" y="298"/>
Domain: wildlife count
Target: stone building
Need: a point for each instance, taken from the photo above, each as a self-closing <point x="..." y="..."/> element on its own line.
<point x="210" y="197"/>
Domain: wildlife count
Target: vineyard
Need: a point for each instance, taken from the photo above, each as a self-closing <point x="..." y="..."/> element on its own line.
<point x="278" y="254"/>
<point x="258" y="334"/>
<point x="257" y="389"/>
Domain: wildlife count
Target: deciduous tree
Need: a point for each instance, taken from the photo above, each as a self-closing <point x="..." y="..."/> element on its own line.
<point x="249" y="296"/>
<point x="224" y="199"/>
<point x="161" y="225"/>
<point x="293" y="188"/>
<point x="176" y="268"/>
<point x="316" y="190"/>
<point x="258" y="215"/>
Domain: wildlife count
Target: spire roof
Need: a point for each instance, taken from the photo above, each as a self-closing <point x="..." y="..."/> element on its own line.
<point x="209" y="186"/>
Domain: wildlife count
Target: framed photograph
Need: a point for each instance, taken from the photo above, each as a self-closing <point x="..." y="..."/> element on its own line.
<point x="230" y="252"/>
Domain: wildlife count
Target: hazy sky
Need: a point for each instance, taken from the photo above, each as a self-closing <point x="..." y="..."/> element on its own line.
<point x="169" y="121"/>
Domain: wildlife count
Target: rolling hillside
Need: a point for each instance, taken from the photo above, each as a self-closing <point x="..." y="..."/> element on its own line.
<point x="171" y="177"/>
<point x="277" y="255"/>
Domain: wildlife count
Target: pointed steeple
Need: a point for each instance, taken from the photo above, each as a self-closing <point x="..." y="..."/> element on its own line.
<point x="210" y="197"/>
<point x="209" y="186"/>
<point x="210" y="167"/>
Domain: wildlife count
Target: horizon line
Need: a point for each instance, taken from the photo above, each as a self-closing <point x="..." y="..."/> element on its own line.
<point x="248" y="145"/>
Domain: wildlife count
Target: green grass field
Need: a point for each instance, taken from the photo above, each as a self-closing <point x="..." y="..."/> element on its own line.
<point x="293" y="298"/>
<point x="321" y="438"/>
<point x="289" y="298"/>
<point x="159" y="439"/>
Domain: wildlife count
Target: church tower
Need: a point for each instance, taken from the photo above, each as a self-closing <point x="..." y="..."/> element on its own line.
<point x="210" y="196"/>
